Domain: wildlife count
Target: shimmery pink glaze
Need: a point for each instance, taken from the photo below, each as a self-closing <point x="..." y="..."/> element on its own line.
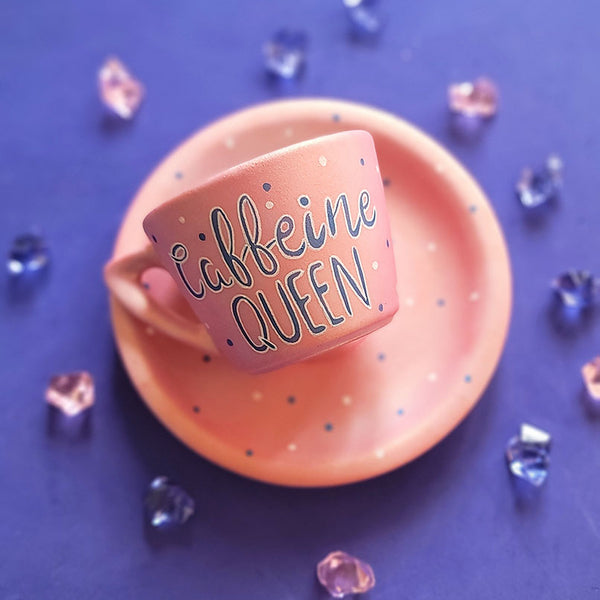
<point x="447" y="244"/>
<point x="327" y="188"/>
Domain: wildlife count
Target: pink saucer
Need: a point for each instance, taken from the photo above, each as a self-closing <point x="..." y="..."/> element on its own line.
<point x="363" y="410"/>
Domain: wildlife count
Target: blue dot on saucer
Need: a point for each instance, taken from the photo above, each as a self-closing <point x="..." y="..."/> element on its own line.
<point x="266" y="187"/>
<point x="380" y="307"/>
<point x="229" y="342"/>
<point x="328" y="426"/>
<point x="362" y="161"/>
<point x="304" y="200"/>
<point x="249" y="452"/>
<point x="202" y="236"/>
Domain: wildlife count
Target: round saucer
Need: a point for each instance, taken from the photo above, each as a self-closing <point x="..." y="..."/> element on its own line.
<point x="370" y="407"/>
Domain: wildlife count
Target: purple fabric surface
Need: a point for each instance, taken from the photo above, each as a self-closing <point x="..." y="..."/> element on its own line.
<point x="450" y="525"/>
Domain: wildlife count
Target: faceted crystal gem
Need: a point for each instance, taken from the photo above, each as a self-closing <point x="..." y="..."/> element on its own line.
<point x="285" y="53"/>
<point x="71" y="393"/>
<point x="119" y="90"/>
<point x="528" y="453"/>
<point x="167" y="504"/>
<point x="342" y="574"/>
<point x="591" y="378"/>
<point x="477" y="98"/>
<point x="536" y="188"/>
<point x="28" y="252"/>
<point x="362" y="15"/>
<point x="577" y="289"/>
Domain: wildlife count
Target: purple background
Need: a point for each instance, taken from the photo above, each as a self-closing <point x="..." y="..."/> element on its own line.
<point x="450" y="525"/>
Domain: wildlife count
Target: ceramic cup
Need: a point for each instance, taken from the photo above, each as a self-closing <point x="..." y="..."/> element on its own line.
<point x="281" y="258"/>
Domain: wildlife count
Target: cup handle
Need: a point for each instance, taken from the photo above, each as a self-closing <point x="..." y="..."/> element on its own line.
<point x="124" y="279"/>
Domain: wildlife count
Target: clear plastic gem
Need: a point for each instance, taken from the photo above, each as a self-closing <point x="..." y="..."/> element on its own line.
<point x="119" y="90"/>
<point x="362" y="15"/>
<point x="538" y="187"/>
<point x="591" y="378"/>
<point x="71" y="393"/>
<point x="342" y="574"/>
<point x="28" y="253"/>
<point x="167" y="504"/>
<point x="477" y="98"/>
<point x="528" y="453"/>
<point x="577" y="289"/>
<point x="285" y="53"/>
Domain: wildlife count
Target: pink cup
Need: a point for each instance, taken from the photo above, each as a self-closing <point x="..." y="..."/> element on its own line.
<point x="281" y="258"/>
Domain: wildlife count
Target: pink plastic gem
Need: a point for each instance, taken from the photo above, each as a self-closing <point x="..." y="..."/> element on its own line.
<point x="477" y="98"/>
<point x="71" y="393"/>
<point x="342" y="574"/>
<point x="119" y="91"/>
<point x="591" y="377"/>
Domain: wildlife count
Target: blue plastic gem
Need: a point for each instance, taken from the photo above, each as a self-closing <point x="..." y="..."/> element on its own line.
<point x="364" y="20"/>
<point x="285" y="53"/>
<point x="28" y="253"/>
<point x="528" y="453"/>
<point x="536" y="188"/>
<point x="577" y="289"/>
<point x="167" y="505"/>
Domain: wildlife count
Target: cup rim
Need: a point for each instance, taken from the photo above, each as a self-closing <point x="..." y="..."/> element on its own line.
<point x="249" y="164"/>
